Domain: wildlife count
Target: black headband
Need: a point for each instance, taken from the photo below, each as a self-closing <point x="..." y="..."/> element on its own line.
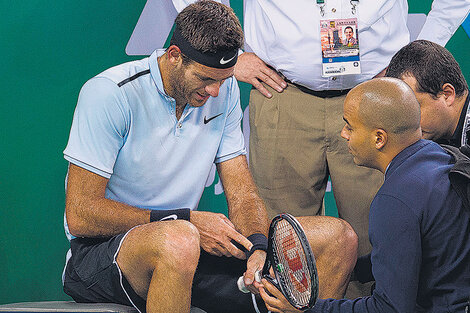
<point x="220" y="59"/>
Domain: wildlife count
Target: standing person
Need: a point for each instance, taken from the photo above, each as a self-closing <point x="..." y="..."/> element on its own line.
<point x="419" y="227"/>
<point x="143" y="139"/>
<point x="296" y="106"/>
<point x="440" y="87"/>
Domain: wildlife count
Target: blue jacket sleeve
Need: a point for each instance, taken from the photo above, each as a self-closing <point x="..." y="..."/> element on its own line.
<point x="394" y="231"/>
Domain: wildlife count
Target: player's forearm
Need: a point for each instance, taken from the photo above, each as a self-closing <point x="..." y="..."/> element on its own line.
<point x="103" y="217"/>
<point x="246" y="209"/>
<point x="248" y="213"/>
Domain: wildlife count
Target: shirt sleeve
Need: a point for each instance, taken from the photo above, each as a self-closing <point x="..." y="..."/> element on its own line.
<point x="99" y="127"/>
<point x="232" y="143"/>
<point x="444" y="19"/>
<point x="396" y="261"/>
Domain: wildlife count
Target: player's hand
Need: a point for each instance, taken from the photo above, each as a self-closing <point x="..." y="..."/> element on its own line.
<point x="251" y="69"/>
<point x="254" y="264"/>
<point x="216" y="232"/>
<point x="274" y="300"/>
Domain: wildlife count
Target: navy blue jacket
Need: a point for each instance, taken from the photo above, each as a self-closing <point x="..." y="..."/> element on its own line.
<point x="420" y="236"/>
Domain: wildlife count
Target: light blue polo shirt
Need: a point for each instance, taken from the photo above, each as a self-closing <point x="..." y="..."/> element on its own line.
<point x="125" y="129"/>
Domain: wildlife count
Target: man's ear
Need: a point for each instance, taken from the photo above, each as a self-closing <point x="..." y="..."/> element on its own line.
<point x="448" y="91"/>
<point x="381" y="138"/>
<point x="174" y="54"/>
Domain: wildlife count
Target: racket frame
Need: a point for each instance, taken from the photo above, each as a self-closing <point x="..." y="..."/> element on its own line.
<point x="272" y="261"/>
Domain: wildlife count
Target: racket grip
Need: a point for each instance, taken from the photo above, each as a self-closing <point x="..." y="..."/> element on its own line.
<point x="241" y="284"/>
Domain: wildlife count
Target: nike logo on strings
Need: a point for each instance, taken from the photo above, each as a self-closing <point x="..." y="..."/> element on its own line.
<point x="207" y="120"/>
<point x="223" y="61"/>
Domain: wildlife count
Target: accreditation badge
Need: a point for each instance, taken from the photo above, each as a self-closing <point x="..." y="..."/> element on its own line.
<point x="340" y="47"/>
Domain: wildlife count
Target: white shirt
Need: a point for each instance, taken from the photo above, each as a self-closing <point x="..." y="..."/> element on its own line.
<point x="286" y="35"/>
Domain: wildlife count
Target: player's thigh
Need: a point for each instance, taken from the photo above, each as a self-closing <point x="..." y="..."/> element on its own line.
<point x="174" y="243"/>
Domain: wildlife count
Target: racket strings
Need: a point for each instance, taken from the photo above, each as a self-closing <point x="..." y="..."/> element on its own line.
<point x="292" y="268"/>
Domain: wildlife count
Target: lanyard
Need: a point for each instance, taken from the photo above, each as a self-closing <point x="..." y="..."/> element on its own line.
<point x="466" y="128"/>
<point x="321" y="4"/>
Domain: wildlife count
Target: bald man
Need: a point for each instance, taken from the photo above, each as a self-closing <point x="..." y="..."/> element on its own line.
<point x="418" y="228"/>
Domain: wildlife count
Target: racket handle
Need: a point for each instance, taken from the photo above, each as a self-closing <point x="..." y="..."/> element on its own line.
<point x="241" y="284"/>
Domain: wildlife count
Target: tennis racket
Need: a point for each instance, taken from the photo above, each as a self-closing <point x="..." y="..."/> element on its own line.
<point x="291" y="258"/>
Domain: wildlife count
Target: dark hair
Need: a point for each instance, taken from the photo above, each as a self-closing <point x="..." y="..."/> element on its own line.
<point x="430" y="64"/>
<point x="210" y="26"/>
<point x="349" y="28"/>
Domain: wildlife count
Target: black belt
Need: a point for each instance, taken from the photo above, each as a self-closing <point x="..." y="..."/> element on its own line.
<point x="321" y="94"/>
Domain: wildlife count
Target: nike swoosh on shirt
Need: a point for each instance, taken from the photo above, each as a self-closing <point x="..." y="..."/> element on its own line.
<point x="169" y="217"/>
<point x="223" y="61"/>
<point x="207" y="120"/>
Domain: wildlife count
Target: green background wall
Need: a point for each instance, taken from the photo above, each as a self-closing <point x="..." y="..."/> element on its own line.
<point x="49" y="49"/>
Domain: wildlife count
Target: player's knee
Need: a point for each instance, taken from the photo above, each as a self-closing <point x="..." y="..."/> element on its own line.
<point x="181" y="247"/>
<point x="186" y="240"/>
<point x="346" y="240"/>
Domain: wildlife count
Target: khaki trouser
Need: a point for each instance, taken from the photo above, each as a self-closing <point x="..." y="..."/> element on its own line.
<point x="295" y="144"/>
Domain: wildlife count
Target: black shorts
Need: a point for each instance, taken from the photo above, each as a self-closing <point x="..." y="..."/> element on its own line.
<point x="92" y="275"/>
